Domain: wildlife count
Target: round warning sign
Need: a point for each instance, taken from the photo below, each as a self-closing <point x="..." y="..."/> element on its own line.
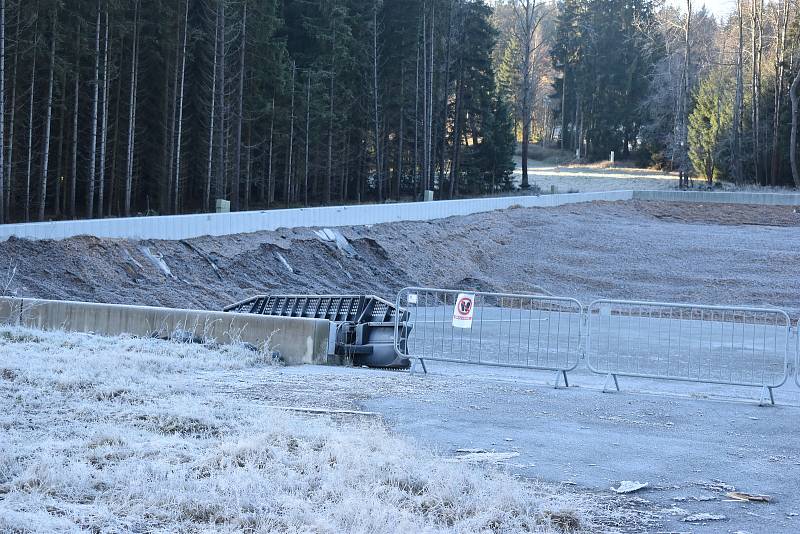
<point x="463" y="310"/>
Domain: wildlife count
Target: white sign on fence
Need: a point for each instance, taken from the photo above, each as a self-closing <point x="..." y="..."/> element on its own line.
<point x="463" y="310"/>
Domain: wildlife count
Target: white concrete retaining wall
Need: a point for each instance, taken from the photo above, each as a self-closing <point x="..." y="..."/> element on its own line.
<point x="721" y="197"/>
<point x="173" y="227"/>
<point x="188" y="226"/>
<point x="298" y="340"/>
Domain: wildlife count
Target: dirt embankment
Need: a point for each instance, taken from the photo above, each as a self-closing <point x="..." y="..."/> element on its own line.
<point x="641" y="250"/>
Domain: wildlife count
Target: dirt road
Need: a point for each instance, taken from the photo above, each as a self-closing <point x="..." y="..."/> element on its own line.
<point x="597" y="177"/>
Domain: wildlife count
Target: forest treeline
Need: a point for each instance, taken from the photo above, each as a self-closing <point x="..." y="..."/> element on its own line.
<point x="154" y="106"/>
<point x="124" y="107"/>
<point x="671" y="85"/>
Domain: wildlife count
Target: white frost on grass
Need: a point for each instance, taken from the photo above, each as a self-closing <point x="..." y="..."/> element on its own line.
<point x="123" y="434"/>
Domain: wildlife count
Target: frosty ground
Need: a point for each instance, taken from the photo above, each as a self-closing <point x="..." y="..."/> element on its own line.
<point x="132" y="435"/>
<point x="138" y="435"/>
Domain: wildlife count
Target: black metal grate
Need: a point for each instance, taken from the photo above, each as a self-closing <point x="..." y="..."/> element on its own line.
<point x="339" y="308"/>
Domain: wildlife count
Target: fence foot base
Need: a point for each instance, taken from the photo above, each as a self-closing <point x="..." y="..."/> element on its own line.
<point x="766" y="392"/>
<point x="605" y="384"/>
<point x="414" y="363"/>
<point x="558" y="379"/>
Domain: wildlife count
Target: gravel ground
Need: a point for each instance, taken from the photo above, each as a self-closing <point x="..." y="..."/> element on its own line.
<point x="691" y="444"/>
<point x="712" y="254"/>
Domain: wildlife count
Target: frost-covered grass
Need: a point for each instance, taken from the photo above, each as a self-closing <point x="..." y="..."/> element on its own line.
<point x="123" y="434"/>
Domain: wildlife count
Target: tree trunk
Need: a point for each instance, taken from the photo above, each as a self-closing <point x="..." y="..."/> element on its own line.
<point x="755" y="87"/>
<point x="9" y="175"/>
<point x="424" y="178"/>
<point x="794" y="94"/>
<point x="93" y="136"/>
<point x="687" y="85"/>
<point x="417" y="187"/>
<point x="248" y="167"/>
<point x="443" y="119"/>
<point x="178" y="143"/>
<point x="2" y="107"/>
<point x="454" y="164"/>
<point x="30" y="127"/>
<point x="429" y="113"/>
<point x="739" y="101"/>
<point x="270" y="179"/>
<point x="112" y="186"/>
<point x="526" y="111"/>
<point x="47" y="124"/>
<point x="563" y="107"/>
<point x="376" y="104"/>
<point x="220" y="180"/>
<point x="211" y="117"/>
<point x="60" y="186"/>
<point x="525" y="27"/>
<point x="326" y="195"/>
<point x="780" y="58"/>
<point x="101" y="175"/>
<point x="237" y="171"/>
<point x="345" y="171"/>
<point x="401" y="135"/>
<point x="168" y="205"/>
<point x="73" y="187"/>
<point x="308" y="128"/>
<point x="291" y="142"/>
<point x="134" y="84"/>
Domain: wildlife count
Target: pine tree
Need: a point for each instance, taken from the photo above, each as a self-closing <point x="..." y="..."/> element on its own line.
<point x="709" y="128"/>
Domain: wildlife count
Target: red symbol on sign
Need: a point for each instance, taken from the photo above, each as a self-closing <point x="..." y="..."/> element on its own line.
<point x="464" y="306"/>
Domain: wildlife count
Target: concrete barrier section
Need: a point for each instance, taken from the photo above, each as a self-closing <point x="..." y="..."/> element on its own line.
<point x="299" y="341"/>
<point x="10" y="310"/>
<point x="722" y="197"/>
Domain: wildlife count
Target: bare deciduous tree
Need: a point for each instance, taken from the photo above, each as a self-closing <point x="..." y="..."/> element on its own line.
<point x="528" y="15"/>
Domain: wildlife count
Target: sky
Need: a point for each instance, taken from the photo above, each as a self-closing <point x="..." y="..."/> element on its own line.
<point x="718" y="7"/>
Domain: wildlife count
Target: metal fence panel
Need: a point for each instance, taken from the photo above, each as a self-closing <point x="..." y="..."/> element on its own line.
<point x="712" y="344"/>
<point x="797" y="354"/>
<point x="530" y="331"/>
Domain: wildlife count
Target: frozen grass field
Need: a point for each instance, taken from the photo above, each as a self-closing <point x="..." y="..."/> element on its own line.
<point x="137" y="435"/>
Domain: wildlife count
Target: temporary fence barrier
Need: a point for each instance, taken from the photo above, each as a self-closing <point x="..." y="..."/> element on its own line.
<point x="733" y="345"/>
<point x="499" y="329"/>
<point x="797" y="355"/>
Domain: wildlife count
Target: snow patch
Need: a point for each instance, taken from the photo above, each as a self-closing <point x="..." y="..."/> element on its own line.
<point x="157" y="261"/>
<point x="284" y="262"/>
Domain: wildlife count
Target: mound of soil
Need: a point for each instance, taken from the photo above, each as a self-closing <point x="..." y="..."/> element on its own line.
<point x="711" y="254"/>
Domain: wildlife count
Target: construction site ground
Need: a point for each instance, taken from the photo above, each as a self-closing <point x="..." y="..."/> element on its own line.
<point x="691" y="444"/>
